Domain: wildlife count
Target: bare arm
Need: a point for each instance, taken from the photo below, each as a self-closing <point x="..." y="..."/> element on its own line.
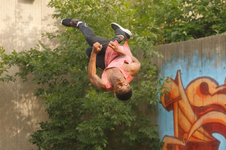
<point x="93" y="77"/>
<point x="133" y="67"/>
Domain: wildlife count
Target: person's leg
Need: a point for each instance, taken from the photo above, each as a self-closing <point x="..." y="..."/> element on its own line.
<point x="100" y="57"/>
<point x="91" y="38"/>
<point x="100" y="61"/>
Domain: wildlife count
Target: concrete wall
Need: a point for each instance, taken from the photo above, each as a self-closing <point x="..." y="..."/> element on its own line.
<point x="21" y="25"/>
<point x="192" y="115"/>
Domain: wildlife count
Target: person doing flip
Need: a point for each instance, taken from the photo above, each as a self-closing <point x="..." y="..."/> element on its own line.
<point x="117" y="62"/>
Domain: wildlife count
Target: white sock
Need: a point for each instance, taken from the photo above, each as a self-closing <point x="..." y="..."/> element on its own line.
<point x="79" y="22"/>
<point x="122" y="36"/>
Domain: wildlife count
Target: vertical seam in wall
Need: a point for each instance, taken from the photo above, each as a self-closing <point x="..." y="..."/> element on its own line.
<point x="41" y="22"/>
<point x="16" y="46"/>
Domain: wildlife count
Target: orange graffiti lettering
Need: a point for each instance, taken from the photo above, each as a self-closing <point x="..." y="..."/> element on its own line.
<point x="199" y="110"/>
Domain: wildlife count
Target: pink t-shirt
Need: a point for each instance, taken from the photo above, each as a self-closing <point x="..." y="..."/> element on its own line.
<point x="114" y="60"/>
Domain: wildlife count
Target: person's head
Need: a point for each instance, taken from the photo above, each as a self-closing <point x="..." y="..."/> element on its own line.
<point x="124" y="96"/>
<point x="122" y="89"/>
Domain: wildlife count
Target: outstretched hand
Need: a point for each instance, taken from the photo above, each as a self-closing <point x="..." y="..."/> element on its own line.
<point x="97" y="47"/>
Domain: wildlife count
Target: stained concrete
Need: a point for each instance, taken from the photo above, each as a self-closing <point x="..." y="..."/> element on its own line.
<point x="21" y="25"/>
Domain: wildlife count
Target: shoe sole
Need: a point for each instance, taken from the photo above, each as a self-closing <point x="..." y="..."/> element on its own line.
<point x="123" y="29"/>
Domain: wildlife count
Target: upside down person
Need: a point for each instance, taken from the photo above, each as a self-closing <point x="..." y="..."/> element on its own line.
<point x="117" y="62"/>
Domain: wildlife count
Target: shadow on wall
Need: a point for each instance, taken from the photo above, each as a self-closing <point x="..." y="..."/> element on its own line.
<point x="19" y="35"/>
<point x="20" y="114"/>
<point x="24" y="32"/>
<point x="26" y="1"/>
<point x="20" y="111"/>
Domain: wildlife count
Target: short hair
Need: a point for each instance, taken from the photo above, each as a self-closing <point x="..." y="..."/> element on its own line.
<point x="125" y="96"/>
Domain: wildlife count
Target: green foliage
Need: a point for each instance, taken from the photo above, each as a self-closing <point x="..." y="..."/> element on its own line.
<point x="80" y="116"/>
<point x="181" y="20"/>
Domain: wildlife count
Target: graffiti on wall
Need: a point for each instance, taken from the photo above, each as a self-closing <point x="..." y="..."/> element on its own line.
<point x="199" y="111"/>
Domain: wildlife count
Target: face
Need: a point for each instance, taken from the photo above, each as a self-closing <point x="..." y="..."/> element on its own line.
<point x="121" y="85"/>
